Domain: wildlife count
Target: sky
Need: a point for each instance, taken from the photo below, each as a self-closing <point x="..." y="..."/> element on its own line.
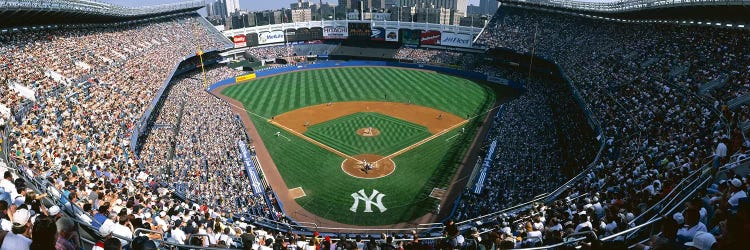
<point x="245" y="4"/>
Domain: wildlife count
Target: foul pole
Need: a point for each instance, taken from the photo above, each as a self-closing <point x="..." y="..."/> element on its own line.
<point x="200" y="55"/>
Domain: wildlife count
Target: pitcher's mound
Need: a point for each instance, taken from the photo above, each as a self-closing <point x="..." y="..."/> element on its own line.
<point x="368" y="166"/>
<point x="368" y="132"/>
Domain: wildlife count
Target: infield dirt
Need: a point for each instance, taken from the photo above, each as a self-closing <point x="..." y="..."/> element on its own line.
<point x="434" y="120"/>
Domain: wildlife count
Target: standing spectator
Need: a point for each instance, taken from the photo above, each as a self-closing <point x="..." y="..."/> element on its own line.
<point x="44" y="234"/>
<point x="720" y="154"/>
<point x="20" y="236"/>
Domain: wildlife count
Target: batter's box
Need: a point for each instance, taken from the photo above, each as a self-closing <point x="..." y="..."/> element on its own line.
<point x="438" y="193"/>
<point x="297" y="192"/>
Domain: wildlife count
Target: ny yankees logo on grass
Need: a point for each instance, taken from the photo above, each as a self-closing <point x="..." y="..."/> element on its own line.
<point x="368" y="200"/>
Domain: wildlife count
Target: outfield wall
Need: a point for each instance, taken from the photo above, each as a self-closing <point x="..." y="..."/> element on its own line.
<point x="334" y="64"/>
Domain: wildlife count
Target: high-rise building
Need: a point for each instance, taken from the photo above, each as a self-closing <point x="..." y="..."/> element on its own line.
<point x="231" y="6"/>
<point x="301" y="11"/>
<point x="300" y="4"/>
<point x="365" y="5"/>
<point x="301" y="15"/>
<point x="488" y="6"/>
<point x="457" y="5"/>
<point x="474" y="10"/>
<point x="217" y="9"/>
<point x="209" y="8"/>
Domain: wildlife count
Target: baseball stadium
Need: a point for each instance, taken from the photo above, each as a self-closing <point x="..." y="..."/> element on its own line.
<point x="374" y="124"/>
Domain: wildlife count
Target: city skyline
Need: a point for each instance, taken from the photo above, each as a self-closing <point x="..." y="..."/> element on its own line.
<point x="252" y="5"/>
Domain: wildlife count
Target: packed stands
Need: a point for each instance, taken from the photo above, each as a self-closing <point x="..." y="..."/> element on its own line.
<point x="658" y="129"/>
<point x="661" y="93"/>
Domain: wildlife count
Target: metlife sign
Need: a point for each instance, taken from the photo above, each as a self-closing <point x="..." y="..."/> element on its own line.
<point x="456" y="40"/>
<point x="271" y="37"/>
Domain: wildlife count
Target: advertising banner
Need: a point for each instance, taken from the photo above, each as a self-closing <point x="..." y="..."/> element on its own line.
<point x="340" y="32"/>
<point x="276" y="36"/>
<point x="378" y="34"/>
<point x="456" y="40"/>
<point x="430" y="37"/>
<point x="252" y="39"/>
<point x="409" y="37"/>
<point x="391" y="35"/>
<point x="250" y="169"/>
<point x="243" y="78"/>
<point x="239" y="41"/>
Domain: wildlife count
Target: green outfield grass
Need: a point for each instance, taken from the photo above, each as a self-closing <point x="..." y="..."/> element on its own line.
<point x="341" y="134"/>
<point x="318" y="171"/>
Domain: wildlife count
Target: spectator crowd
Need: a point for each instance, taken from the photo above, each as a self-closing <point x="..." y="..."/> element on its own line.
<point x="659" y="124"/>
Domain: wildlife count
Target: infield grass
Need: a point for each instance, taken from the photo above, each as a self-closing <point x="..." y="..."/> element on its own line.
<point x="318" y="171"/>
<point x="341" y="134"/>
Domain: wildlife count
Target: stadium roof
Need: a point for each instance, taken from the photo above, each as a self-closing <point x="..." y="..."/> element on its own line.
<point x="25" y="13"/>
<point x="715" y="10"/>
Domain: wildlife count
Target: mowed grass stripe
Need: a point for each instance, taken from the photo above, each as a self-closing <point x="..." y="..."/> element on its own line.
<point x="441" y="91"/>
<point x="341" y="134"/>
<point x="318" y="171"/>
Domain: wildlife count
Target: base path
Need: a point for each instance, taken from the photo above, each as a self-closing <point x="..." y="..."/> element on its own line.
<point x="433" y="119"/>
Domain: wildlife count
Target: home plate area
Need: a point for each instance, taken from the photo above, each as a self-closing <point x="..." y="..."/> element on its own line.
<point x="438" y="193"/>
<point x="297" y="192"/>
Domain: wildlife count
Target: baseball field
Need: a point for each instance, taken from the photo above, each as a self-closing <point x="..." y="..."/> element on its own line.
<point x="364" y="146"/>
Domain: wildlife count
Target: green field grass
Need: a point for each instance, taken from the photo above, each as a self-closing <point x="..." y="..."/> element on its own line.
<point x="341" y="134"/>
<point x="318" y="171"/>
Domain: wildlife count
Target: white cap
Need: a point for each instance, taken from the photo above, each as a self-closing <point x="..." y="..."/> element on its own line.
<point x="736" y="183"/>
<point x="21" y="216"/>
<point x="54" y="210"/>
<point x="702" y="241"/>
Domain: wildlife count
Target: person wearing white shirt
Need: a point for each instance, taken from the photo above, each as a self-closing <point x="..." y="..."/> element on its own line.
<point x="18" y="238"/>
<point x="691" y="227"/>
<point x="202" y="230"/>
<point x="178" y="235"/>
<point x="211" y="236"/>
<point x="122" y="230"/>
<point x="720" y="153"/>
<point x="7" y="184"/>
<point x="738" y="192"/>
<point x="224" y="237"/>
